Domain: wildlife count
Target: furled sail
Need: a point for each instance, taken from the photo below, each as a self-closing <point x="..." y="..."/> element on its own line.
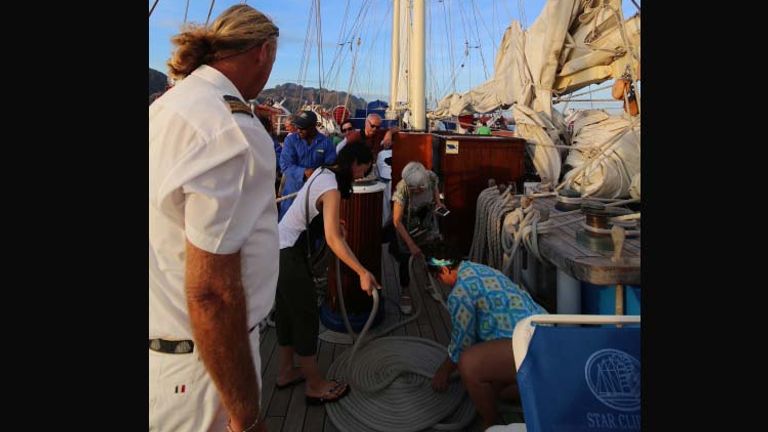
<point x="572" y="43"/>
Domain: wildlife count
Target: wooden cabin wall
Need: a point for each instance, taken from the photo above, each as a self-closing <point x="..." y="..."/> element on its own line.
<point x="462" y="175"/>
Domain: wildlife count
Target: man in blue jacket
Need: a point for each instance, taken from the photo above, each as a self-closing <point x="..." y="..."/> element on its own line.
<point x="302" y="153"/>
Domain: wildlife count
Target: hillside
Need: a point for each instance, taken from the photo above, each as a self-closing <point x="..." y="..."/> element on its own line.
<point x="157" y="81"/>
<point x="291" y="93"/>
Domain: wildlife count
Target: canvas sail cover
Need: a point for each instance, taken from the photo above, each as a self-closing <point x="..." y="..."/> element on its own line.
<point x="611" y="145"/>
<point x="542" y="134"/>
<point x="503" y="89"/>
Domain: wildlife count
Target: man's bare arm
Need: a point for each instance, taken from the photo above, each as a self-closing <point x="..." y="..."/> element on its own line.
<point x="216" y="302"/>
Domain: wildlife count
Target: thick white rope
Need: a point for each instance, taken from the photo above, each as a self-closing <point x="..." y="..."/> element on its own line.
<point x="392" y="379"/>
<point x="484" y="199"/>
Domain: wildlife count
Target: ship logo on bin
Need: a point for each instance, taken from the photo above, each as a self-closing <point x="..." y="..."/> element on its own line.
<point x="613" y="376"/>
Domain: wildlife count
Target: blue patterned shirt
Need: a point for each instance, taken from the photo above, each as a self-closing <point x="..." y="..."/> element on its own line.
<point x="485" y="305"/>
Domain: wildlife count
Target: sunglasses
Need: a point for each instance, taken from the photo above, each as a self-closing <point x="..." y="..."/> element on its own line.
<point x="375" y="126"/>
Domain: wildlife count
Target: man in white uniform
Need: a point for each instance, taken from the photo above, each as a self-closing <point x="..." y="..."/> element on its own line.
<point x="213" y="242"/>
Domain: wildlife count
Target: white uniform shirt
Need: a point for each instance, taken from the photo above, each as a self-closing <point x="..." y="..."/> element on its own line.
<point x="295" y="221"/>
<point x="211" y="181"/>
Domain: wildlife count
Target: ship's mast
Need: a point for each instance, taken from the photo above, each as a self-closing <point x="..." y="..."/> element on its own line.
<point x="417" y="69"/>
<point x="395" y="63"/>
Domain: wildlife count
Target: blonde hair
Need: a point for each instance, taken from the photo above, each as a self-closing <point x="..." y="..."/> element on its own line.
<point x="236" y="30"/>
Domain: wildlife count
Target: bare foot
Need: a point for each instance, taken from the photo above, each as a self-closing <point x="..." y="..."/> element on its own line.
<point x="328" y="390"/>
<point x="289" y="376"/>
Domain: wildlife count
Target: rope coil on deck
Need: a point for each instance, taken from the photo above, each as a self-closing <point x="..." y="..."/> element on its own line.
<point x="396" y="395"/>
<point x="391" y="380"/>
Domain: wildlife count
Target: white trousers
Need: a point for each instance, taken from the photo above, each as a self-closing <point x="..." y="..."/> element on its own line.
<point x="182" y="396"/>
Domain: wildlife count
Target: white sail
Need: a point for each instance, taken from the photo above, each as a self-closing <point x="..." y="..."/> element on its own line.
<point x="571" y="44"/>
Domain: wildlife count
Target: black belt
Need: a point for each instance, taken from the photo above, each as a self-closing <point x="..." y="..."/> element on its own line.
<point x="171" y="347"/>
<point x="177" y="347"/>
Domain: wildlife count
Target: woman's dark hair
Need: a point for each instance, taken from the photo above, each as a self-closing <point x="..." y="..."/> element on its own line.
<point x="441" y="254"/>
<point x="352" y="152"/>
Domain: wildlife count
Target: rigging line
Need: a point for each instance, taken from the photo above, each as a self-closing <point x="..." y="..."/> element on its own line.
<point x="352" y="74"/>
<point x="186" y="9"/>
<point x="371" y="58"/>
<point x="521" y="10"/>
<point x="464" y="24"/>
<point x="152" y="8"/>
<point x="209" y="12"/>
<point x="453" y="80"/>
<point x="430" y="47"/>
<point x="355" y="31"/>
<point x="304" y="65"/>
<point x="319" y="29"/>
<point x="485" y="26"/>
<point x="335" y="69"/>
<point x="586" y="92"/>
<point x="372" y="50"/>
<point x="480" y="45"/>
<point x="636" y="5"/>
<point x="343" y="22"/>
<point x="510" y="17"/>
<point x="359" y="19"/>
<point x="442" y="58"/>
<point x="497" y="27"/>
<point x="467" y="35"/>
<point x="339" y="44"/>
<point x="450" y="39"/>
<point x="560" y="100"/>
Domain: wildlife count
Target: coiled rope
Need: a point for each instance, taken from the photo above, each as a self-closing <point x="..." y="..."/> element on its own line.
<point x="391" y="378"/>
<point x="484" y="199"/>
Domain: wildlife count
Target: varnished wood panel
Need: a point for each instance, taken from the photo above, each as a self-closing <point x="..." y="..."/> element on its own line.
<point x="362" y="216"/>
<point x="462" y="176"/>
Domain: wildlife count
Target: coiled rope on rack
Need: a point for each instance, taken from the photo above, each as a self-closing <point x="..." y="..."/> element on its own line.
<point x="506" y="203"/>
<point x="491" y="207"/>
<point x="484" y="199"/>
<point x="514" y="223"/>
<point x="391" y="379"/>
<point x="528" y="231"/>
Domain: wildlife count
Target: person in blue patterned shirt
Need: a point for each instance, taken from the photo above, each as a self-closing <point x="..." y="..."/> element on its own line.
<point x="484" y="305"/>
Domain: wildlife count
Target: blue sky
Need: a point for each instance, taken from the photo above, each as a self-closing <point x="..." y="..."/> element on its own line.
<point x="481" y="23"/>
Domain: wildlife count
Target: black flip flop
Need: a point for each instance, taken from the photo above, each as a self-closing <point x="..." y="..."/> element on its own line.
<point x="311" y="400"/>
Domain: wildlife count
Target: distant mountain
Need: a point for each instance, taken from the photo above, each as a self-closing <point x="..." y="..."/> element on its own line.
<point x="157" y="81"/>
<point x="291" y="92"/>
<point x="293" y="102"/>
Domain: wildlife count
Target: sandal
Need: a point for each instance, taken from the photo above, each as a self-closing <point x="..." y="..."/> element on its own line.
<point x="328" y="395"/>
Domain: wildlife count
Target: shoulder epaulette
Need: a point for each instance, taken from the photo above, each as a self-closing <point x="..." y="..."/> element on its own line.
<point x="237" y="106"/>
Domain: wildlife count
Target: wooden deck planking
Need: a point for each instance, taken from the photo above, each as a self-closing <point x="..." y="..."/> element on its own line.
<point x="274" y="424"/>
